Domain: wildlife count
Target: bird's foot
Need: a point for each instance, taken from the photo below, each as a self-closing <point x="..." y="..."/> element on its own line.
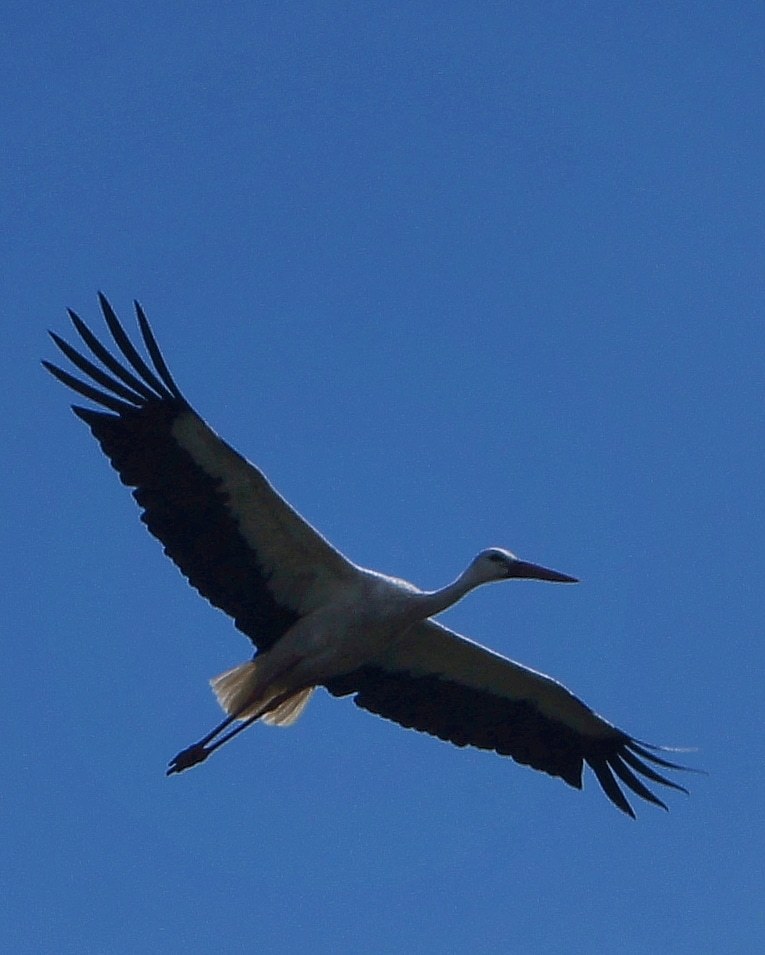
<point x="186" y="758"/>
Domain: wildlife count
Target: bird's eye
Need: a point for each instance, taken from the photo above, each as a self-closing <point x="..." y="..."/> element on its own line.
<point x="497" y="558"/>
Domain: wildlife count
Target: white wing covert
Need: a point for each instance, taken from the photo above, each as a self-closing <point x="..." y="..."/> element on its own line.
<point x="238" y="542"/>
<point x="438" y="682"/>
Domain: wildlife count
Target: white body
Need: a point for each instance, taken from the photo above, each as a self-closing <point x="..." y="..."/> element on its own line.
<point x="314" y="616"/>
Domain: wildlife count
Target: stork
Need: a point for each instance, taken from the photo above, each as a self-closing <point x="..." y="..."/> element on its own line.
<point x="314" y="617"/>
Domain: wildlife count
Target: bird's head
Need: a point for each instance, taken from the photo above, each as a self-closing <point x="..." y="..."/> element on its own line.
<point x="498" y="564"/>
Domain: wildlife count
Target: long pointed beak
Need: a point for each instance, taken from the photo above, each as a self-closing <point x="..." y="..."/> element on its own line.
<point x="522" y="568"/>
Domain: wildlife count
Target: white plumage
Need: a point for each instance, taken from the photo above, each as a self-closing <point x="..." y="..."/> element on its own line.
<point x="316" y="618"/>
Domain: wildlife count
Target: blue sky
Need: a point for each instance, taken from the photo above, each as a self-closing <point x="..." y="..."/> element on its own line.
<point x="454" y="275"/>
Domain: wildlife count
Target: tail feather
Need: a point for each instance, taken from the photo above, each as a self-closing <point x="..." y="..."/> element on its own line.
<point x="240" y="694"/>
<point x="238" y="688"/>
<point x="287" y="712"/>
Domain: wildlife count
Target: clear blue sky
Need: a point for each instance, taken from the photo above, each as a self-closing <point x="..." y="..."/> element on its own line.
<point x="454" y="275"/>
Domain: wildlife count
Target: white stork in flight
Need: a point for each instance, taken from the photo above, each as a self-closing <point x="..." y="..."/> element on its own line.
<point x="316" y="618"/>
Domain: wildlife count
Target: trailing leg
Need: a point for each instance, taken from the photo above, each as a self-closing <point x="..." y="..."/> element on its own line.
<point x="244" y="697"/>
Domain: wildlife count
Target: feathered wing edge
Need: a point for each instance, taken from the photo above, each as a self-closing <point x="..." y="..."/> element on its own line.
<point x="440" y="683"/>
<point x="622" y="758"/>
<point x="181" y="502"/>
<point x="127" y="390"/>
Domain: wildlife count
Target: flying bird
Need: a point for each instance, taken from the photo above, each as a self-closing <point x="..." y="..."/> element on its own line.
<point x="314" y="617"/>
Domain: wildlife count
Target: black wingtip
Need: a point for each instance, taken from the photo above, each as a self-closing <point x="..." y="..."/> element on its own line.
<point x="129" y="352"/>
<point x="155" y="354"/>
<point x="629" y="762"/>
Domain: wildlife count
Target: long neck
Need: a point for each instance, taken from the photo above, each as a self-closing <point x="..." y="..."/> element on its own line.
<point x="431" y="602"/>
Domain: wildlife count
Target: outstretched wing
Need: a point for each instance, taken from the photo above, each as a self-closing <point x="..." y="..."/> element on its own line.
<point x="238" y="542"/>
<point x="438" y="682"/>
